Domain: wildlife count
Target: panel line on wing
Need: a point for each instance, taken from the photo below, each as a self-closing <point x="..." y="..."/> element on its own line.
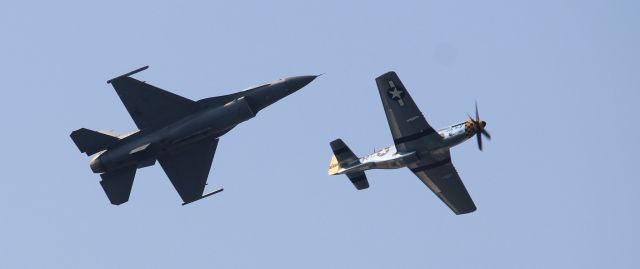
<point x="431" y="165"/>
<point x="415" y="136"/>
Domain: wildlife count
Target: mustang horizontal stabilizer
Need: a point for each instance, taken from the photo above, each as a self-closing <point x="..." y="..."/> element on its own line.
<point x="342" y="152"/>
<point x="188" y="168"/>
<point x="344" y="157"/>
<point x="117" y="184"/>
<point x="359" y="180"/>
<point x="91" y="142"/>
<point x="151" y="107"/>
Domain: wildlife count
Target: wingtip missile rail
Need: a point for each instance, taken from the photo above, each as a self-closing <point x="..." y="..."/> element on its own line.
<point x="204" y="196"/>
<point x="128" y="74"/>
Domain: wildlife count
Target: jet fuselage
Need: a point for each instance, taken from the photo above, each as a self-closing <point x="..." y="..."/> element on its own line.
<point x="210" y="121"/>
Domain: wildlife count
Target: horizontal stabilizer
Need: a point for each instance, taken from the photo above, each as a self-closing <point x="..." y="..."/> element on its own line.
<point x="359" y="180"/>
<point x="343" y="153"/>
<point x="117" y="184"/>
<point x="343" y="157"/>
<point x="91" y="142"/>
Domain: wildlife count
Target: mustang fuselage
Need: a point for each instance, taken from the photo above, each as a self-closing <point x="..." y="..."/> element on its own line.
<point x="390" y="158"/>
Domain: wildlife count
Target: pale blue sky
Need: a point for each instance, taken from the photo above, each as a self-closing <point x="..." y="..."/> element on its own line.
<point x="557" y="81"/>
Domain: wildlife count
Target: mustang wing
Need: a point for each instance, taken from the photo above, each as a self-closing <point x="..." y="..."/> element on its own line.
<point x="408" y="126"/>
<point x="438" y="173"/>
<point x="188" y="168"/>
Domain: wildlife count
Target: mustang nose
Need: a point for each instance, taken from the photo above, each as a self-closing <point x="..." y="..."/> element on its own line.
<point x="296" y="83"/>
<point x="484" y="123"/>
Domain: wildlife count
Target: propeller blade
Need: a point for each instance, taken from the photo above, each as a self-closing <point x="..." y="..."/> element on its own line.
<point x="477" y="114"/>
<point x="478" y="127"/>
<point x="486" y="134"/>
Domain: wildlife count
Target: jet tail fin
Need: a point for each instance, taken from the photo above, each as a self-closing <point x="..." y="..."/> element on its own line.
<point x="91" y="142"/>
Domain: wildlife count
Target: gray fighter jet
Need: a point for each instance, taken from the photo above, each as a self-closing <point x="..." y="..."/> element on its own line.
<point x="181" y="134"/>
<point x="418" y="146"/>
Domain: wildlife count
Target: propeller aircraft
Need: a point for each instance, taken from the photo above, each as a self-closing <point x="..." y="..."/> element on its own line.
<point x="417" y="146"/>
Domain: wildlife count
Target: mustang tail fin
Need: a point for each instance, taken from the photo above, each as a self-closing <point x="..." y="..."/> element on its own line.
<point x="91" y="142"/>
<point x="343" y="157"/>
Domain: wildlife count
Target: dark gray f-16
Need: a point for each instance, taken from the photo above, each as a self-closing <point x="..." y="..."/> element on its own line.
<point x="179" y="133"/>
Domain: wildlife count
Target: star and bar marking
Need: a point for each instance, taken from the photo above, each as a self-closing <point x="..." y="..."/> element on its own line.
<point x="395" y="93"/>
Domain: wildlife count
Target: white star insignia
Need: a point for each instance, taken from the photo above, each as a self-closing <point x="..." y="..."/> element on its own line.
<point x="397" y="94"/>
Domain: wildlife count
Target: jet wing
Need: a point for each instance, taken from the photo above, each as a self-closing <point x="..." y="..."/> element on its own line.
<point x="438" y="173"/>
<point x="188" y="168"/>
<point x="408" y="126"/>
<point x="151" y="107"/>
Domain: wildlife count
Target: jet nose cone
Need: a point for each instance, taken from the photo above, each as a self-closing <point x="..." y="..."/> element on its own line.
<point x="296" y="83"/>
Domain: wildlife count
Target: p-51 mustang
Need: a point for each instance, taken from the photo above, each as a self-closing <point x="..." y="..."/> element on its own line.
<point x="418" y="146"/>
